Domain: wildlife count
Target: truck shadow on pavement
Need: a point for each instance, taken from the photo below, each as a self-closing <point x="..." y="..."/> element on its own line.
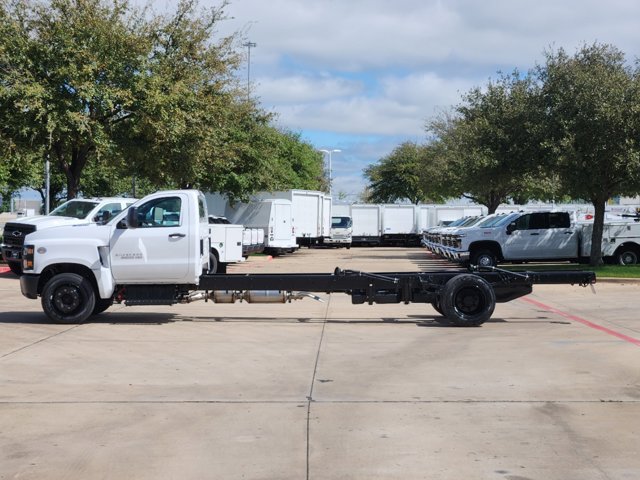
<point x="39" y="318"/>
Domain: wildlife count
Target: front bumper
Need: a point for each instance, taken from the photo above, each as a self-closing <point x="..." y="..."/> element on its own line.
<point x="11" y="254"/>
<point x="337" y="241"/>
<point x="459" y="255"/>
<point x="29" y="285"/>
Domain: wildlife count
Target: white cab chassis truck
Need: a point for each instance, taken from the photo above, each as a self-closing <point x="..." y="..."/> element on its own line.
<point x="157" y="253"/>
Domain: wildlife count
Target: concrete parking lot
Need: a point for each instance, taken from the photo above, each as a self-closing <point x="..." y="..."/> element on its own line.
<point x="549" y="389"/>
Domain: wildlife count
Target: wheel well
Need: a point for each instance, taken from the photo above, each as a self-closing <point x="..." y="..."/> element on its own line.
<point x="54" y="270"/>
<point x="493" y="247"/>
<point x="628" y="246"/>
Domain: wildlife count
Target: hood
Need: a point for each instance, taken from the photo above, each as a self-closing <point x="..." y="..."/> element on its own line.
<point x="73" y="233"/>
<point x="46" y="221"/>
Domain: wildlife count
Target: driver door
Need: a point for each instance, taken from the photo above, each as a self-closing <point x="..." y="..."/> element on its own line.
<point x="158" y="251"/>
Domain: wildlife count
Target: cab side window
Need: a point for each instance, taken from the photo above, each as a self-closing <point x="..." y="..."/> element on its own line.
<point x="112" y="209"/>
<point x="522" y="223"/>
<point x="538" y="221"/>
<point x="160" y="212"/>
<point x="559" y="220"/>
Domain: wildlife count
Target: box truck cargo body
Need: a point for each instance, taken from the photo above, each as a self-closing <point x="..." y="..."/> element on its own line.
<point x="399" y="225"/>
<point x="311" y="213"/>
<point x="367" y="224"/>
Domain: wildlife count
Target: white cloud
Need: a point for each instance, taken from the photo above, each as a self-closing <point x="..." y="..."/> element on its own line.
<point x="299" y="88"/>
<point x="377" y="69"/>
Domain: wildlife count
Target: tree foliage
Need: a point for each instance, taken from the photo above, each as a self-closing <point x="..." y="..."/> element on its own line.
<point x="492" y="143"/>
<point x="410" y="173"/>
<point x="113" y="93"/>
<point x="592" y="101"/>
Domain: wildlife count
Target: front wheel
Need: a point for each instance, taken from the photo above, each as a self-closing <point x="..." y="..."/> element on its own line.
<point x="68" y="298"/>
<point x="467" y="301"/>
<point x="484" y="258"/>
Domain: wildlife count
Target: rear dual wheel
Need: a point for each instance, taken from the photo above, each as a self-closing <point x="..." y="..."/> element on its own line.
<point x="466" y="301"/>
<point x="627" y="256"/>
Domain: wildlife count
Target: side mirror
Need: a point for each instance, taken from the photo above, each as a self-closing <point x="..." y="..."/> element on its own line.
<point x="132" y="217"/>
<point x="103" y="218"/>
<point x="511" y="227"/>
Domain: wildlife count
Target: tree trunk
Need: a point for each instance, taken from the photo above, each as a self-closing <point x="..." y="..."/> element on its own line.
<point x="595" y="257"/>
<point x="494" y="202"/>
<point x="73" y="169"/>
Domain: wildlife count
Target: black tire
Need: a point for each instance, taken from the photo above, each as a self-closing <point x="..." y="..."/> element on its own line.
<point x="484" y="258"/>
<point x="436" y="306"/>
<point x="627" y="256"/>
<point x="467" y="300"/>
<point x="68" y="298"/>
<point x="15" y="267"/>
<point x="213" y="264"/>
<point x="101" y="305"/>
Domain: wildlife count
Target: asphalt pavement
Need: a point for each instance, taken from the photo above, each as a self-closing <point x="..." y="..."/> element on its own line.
<point x="548" y="389"/>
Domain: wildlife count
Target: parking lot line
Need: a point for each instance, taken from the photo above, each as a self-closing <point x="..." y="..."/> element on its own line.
<point x="583" y="321"/>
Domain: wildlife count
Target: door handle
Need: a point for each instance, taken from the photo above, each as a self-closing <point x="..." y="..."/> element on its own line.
<point x="177" y="235"/>
<point x="534" y="234"/>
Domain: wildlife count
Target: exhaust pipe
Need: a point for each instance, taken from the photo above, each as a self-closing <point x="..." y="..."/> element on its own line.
<point x="249" y="296"/>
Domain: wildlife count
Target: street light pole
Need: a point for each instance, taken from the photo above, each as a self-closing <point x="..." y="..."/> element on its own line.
<point x="249" y="46"/>
<point x="329" y="152"/>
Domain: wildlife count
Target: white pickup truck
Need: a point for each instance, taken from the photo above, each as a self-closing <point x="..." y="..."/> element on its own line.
<point x="539" y="236"/>
<point x="73" y="212"/>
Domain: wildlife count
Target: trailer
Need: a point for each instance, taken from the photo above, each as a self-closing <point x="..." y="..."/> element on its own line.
<point x="80" y="271"/>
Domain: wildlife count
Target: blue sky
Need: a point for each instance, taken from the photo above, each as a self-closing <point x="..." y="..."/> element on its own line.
<point x="363" y="76"/>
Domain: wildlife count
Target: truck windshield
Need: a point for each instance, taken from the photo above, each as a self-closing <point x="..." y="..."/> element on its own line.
<point x="497" y="221"/>
<point x="74" y="208"/>
<point x="341" y="222"/>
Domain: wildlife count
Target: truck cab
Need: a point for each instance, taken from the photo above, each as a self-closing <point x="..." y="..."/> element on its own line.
<point x="144" y="255"/>
<point x="340" y="234"/>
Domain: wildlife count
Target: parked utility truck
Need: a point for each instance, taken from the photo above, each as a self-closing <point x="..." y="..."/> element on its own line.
<point x="538" y="236"/>
<point x="158" y="253"/>
<point x="73" y="212"/>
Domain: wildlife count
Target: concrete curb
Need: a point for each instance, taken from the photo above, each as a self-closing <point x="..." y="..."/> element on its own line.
<point x="617" y="280"/>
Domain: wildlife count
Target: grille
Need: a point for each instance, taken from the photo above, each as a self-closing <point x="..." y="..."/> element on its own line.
<point x="14" y="233"/>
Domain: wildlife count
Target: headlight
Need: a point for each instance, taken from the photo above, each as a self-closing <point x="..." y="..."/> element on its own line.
<point x="27" y="257"/>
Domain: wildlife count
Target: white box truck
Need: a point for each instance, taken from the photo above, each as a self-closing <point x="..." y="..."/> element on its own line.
<point x="367" y="224"/>
<point x="399" y="225"/>
<point x="307" y="215"/>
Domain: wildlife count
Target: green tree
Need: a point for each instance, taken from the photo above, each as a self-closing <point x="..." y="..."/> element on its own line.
<point x="592" y="101"/>
<point x="409" y="172"/>
<point x="492" y="143"/>
<point x="97" y="81"/>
